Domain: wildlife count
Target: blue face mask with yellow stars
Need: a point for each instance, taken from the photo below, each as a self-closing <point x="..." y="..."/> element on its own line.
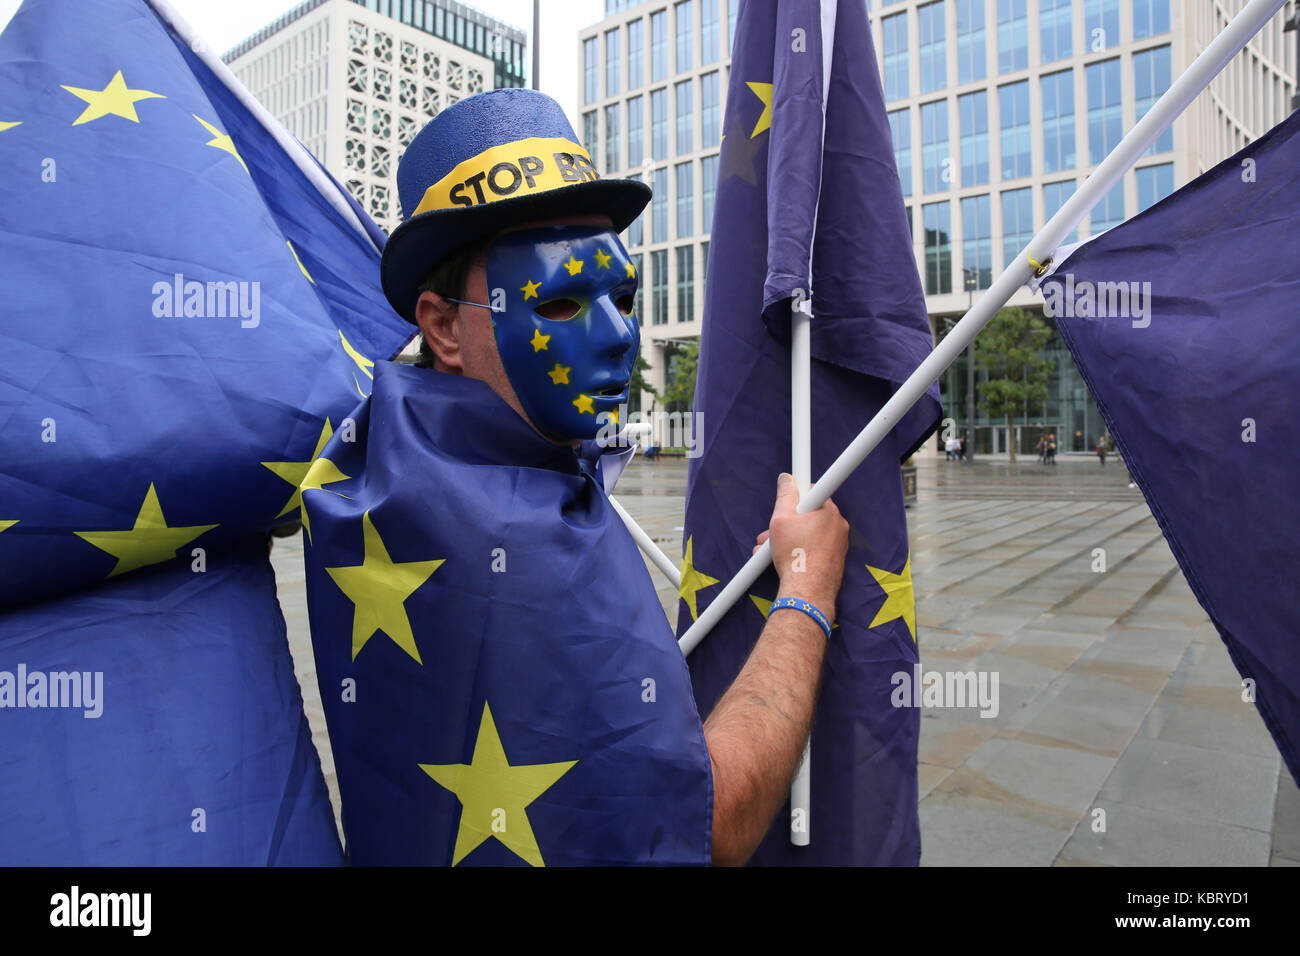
<point x="568" y="335"/>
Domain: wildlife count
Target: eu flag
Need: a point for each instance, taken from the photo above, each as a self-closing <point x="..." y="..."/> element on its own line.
<point x="809" y="207"/>
<point x="189" y="303"/>
<point x="1183" y="323"/>
<point x="500" y="682"/>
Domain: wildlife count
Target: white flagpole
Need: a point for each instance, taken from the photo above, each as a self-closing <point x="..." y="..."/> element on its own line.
<point x="648" y="546"/>
<point x="1034" y="259"/>
<point x="801" y="469"/>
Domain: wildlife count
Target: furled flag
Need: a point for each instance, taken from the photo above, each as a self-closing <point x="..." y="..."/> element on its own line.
<point x="1183" y="322"/>
<point x="189" y="301"/>
<point x="502" y="685"/>
<point x="809" y="207"/>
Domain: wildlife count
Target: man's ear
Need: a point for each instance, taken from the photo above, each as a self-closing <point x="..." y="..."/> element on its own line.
<point x="437" y="319"/>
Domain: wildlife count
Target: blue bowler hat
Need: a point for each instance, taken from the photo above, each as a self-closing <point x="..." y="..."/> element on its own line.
<point x="497" y="159"/>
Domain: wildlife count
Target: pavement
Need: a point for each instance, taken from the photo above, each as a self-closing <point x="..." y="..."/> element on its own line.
<point x="1121" y="737"/>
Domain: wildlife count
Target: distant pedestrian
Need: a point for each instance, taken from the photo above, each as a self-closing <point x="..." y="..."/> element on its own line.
<point x="1041" y="449"/>
<point x="961" y="448"/>
<point x="1101" y="450"/>
<point x="1051" y="449"/>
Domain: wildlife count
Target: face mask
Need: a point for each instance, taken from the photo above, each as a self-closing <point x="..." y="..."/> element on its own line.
<point x="568" y="337"/>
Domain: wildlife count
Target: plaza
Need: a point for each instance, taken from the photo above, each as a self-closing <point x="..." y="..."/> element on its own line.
<point x="1115" y="692"/>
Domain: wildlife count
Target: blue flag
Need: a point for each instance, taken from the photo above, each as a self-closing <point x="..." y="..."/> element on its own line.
<point x="810" y="208"/>
<point x="500" y="682"/>
<point x="1183" y="323"/>
<point x="189" y="306"/>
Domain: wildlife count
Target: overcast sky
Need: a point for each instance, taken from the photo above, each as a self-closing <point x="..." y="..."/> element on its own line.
<point x="223" y="23"/>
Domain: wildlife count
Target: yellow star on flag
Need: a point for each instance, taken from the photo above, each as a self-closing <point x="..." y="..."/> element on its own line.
<point x="295" y="471"/>
<point x="7" y="524"/>
<point x="583" y="404"/>
<point x="379" y="587"/>
<point x="764" y="92"/>
<point x="763" y="604"/>
<point x="322" y="472"/>
<point x="221" y="141"/>
<point x="363" y="363"/>
<point x="494" y="795"/>
<point x="113" y="100"/>
<point x="149" y="541"/>
<point x="5" y="126"/>
<point x="900" y="602"/>
<point x="529" y="289"/>
<point x="692" y="580"/>
<point x="560" y="374"/>
<point x="602" y="259"/>
<point x="631" y="271"/>
<point x="539" y="340"/>
<point x="574" y="265"/>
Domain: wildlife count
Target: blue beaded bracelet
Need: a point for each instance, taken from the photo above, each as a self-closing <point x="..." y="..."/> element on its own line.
<point x="799" y="604"/>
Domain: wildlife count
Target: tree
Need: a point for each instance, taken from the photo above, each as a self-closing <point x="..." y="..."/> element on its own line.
<point x="679" y="391"/>
<point x="639" y="384"/>
<point x="1010" y="350"/>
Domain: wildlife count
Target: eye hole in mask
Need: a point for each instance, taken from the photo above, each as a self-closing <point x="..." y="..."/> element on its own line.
<point x="558" y="310"/>
<point x="625" y="303"/>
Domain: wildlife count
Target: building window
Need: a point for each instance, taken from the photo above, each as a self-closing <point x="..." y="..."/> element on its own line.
<point x="635" y="132"/>
<point x="590" y="133"/>
<point x="1017" y="222"/>
<point x="658" y="45"/>
<point x="1151" y="77"/>
<point x="973" y="111"/>
<point x="938" y="248"/>
<point x="710" y="113"/>
<point x="704" y="262"/>
<point x="895" y="61"/>
<point x="611" y="63"/>
<point x="685" y="200"/>
<point x="1054" y="42"/>
<point x="1150" y="18"/>
<point x="1054" y="197"/>
<point x="1110" y="211"/>
<point x="685" y="283"/>
<point x="590" y="65"/>
<point x="682" y="17"/>
<point x="659" y="125"/>
<point x="659" y="206"/>
<point x="1013" y="36"/>
<point x="977" y="239"/>
<point x="612" y="162"/>
<point x="933" y="52"/>
<point x="635" y="55"/>
<point x="732" y="5"/>
<point x="1105" y="109"/>
<point x="659" y="287"/>
<point x="935" y="174"/>
<point x="1013" y="105"/>
<point x="1154" y="184"/>
<point x="708" y="32"/>
<point x="970" y="41"/>
<point x="900" y="127"/>
<point x="636" y="234"/>
<point x="1058" y="121"/>
<point x="685" y="117"/>
<point x="708" y="188"/>
<point x="638" y="304"/>
<point x="1100" y="24"/>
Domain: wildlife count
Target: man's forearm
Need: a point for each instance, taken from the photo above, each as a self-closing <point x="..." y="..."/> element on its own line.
<point x="756" y="733"/>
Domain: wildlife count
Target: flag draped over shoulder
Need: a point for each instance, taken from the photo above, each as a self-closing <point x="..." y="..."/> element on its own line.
<point x="499" y="679"/>
<point x="1183" y="322"/>
<point x="188" y="308"/>
<point x="809" y="206"/>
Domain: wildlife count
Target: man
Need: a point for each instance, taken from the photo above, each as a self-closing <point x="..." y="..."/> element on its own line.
<point x="510" y="265"/>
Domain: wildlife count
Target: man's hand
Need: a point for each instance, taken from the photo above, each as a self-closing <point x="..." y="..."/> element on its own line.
<point x="807" y="550"/>
<point x="757" y="731"/>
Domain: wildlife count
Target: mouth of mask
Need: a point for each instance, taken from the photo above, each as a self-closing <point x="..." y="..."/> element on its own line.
<point x="568" y="334"/>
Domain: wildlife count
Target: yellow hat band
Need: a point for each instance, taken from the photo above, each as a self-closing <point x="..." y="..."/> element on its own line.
<point x="525" y="166"/>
